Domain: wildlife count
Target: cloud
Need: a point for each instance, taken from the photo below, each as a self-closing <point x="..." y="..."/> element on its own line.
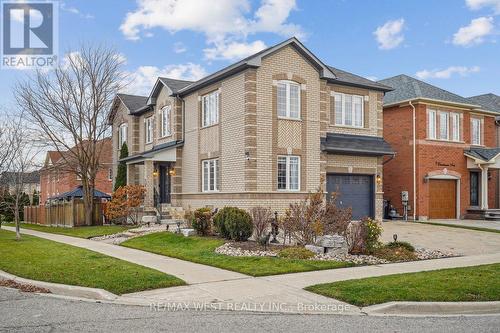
<point x="74" y="10"/>
<point x="141" y="81"/>
<point x="478" y="4"/>
<point x="390" y="35"/>
<point x="474" y="33"/>
<point x="233" y="50"/>
<point x="447" y="73"/>
<point x="223" y="22"/>
<point x="179" y="47"/>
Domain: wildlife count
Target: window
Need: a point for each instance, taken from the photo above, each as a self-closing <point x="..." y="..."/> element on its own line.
<point x="210" y="109"/>
<point x="443" y="125"/>
<point x="122" y="135"/>
<point x="288" y="173"/>
<point x="475" y="131"/>
<point x="349" y="110"/>
<point x="431" y="124"/>
<point x="148" y="132"/>
<point x="210" y="176"/>
<point x="110" y="174"/>
<point x="165" y="121"/>
<point x="455" y="126"/>
<point x="288" y="99"/>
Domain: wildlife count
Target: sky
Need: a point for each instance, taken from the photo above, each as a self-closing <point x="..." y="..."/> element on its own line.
<point x="453" y="44"/>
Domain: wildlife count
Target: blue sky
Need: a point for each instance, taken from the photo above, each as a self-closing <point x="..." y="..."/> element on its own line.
<point x="450" y="43"/>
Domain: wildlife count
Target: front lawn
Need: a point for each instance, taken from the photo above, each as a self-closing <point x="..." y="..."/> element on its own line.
<point x="201" y="250"/>
<point x="469" y="284"/>
<point x="81" y="232"/>
<point x="40" y="259"/>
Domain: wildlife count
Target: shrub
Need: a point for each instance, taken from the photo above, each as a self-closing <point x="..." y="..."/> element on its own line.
<point x="405" y="245"/>
<point x="363" y="236"/>
<point x="233" y="223"/>
<point x="261" y="217"/>
<point x="125" y="204"/>
<point x="373" y="232"/>
<point x="296" y="252"/>
<point x="202" y="221"/>
<point x="395" y="253"/>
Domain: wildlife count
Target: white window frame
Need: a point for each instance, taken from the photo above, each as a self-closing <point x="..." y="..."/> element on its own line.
<point x="214" y="162"/>
<point x="479" y="129"/>
<point x="432" y="131"/>
<point x="212" y="118"/>
<point x="288" y="109"/>
<point x="110" y="174"/>
<point x="455" y="127"/>
<point x="148" y="130"/>
<point x="340" y="121"/>
<point x="122" y="135"/>
<point x="446" y="116"/>
<point x="166" y="124"/>
<point x="288" y="173"/>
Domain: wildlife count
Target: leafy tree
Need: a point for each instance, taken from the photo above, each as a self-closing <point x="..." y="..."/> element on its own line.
<point x="36" y="198"/>
<point x="121" y="175"/>
<point x="125" y="204"/>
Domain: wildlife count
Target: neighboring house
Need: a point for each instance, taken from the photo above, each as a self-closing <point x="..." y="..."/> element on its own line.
<point x="449" y="167"/>
<point x="30" y="180"/>
<point x="57" y="177"/>
<point x="263" y="131"/>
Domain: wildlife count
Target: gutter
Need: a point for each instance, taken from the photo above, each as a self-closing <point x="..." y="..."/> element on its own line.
<point x="423" y="99"/>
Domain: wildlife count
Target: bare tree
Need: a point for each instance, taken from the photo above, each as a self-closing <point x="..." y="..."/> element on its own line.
<point x="6" y="137"/>
<point x="70" y="104"/>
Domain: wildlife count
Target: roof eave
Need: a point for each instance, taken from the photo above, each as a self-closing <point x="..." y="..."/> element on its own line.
<point x="358" y="85"/>
<point x="362" y="152"/>
<point x="423" y="99"/>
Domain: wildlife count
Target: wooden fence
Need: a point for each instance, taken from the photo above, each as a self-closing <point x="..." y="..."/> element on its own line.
<point x="63" y="213"/>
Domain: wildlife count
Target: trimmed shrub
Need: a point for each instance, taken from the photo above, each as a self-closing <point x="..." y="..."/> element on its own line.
<point x="394" y="253"/>
<point x="405" y="245"/>
<point x="202" y="221"/>
<point x="373" y="232"/>
<point x="296" y="252"/>
<point x="233" y="223"/>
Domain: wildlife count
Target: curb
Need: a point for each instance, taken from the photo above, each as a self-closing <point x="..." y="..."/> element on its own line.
<point x="432" y="308"/>
<point x="63" y="289"/>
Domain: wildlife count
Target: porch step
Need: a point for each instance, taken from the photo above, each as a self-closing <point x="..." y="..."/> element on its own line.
<point x="483" y="214"/>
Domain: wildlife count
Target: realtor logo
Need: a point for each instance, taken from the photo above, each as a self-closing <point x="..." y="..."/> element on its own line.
<point x="29" y="34"/>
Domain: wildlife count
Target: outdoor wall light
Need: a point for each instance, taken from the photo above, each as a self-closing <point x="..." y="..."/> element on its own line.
<point x="379" y="180"/>
<point x="247" y="156"/>
<point x="155" y="173"/>
<point x="171" y="172"/>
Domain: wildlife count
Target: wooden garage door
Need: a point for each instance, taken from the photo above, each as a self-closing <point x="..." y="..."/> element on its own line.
<point x="442" y="199"/>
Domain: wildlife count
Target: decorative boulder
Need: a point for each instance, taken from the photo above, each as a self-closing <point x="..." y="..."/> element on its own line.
<point x="315" y="249"/>
<point x="188" y="232"/>
<point x="333" y="244"/>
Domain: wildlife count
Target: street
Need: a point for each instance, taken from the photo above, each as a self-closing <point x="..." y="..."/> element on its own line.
<point x="22" y="312"/>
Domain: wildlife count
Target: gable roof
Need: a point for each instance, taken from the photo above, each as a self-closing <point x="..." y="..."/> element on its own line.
<point x="174" y="84"/>
<point x="132" y="102"/>
<point x="490" y="102"/>
<point x="9" y="177"/>
<point x="483" y="154"/>
<point x="351" y="79"/>
<point x="408" y="88"/>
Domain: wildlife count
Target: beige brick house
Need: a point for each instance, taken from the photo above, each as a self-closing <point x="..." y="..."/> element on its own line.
<point x="262" y="131"/>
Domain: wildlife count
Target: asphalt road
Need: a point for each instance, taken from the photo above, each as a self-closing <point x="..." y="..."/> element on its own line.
<point x="22" y="312"/>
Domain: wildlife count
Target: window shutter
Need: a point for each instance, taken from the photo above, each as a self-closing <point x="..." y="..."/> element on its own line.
<point x="366" y="113"/>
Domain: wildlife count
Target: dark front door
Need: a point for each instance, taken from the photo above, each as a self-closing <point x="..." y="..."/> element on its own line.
<point x="355" y="191"/>
<point x="474" y="188"/>
<point x="165" y="184"/>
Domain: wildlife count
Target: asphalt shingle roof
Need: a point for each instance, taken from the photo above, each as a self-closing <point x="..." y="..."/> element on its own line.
<point x="133" y="102"/>
<point x="406" y="88"/>
<point x="353" y="79"/>
<point x="490" y="102"/>
<point x="484" y="154"/>
<point x="175" y="85"/>
<point x="355" y="144"/>
<point x="28" y="177"/>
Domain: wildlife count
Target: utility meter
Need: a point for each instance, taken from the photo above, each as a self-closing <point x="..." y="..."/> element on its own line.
<point x="404" y="196"/>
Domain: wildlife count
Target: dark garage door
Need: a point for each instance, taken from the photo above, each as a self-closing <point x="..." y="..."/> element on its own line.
<point x="354" y="191"/>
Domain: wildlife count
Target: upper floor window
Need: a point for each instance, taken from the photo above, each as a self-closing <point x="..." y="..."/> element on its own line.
<point x="431" y="124"/>
<point x="210" y="109"/>
<point x="443" y="125"/>
<point x="210" y="175"/>
<point x="455" y="126"/>
<point x="122" y="135"/>
<point x="165" y="121"/>
<point x="288" y="99"/>
<point x="289" y="173"/>
<point x="475" y="130"/>
<point x="148" y="129"/>
<point x="349" y="110"/>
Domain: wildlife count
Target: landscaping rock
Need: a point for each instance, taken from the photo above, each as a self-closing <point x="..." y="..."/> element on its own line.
<point x="333" y="244"/>
<point x="149" y="219"/>
<point x="229" y="250"/>
<point x="188" y="232"/>
<point x="316" y="249"/>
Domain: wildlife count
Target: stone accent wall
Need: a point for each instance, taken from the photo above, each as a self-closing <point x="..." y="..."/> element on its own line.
<point x="251" y="130"/>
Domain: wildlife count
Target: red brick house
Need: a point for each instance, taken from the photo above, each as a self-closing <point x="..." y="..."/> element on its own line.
<point x="446" y="152"/>
<point x="57" y="178"/>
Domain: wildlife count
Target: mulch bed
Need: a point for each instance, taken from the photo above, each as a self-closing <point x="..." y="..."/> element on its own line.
<point x="27" y="288"/>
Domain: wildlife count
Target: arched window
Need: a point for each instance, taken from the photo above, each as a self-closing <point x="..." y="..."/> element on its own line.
<point x="288" y="99"/>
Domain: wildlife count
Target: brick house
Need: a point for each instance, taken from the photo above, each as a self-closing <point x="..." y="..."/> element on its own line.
<point x="57" y="178"/>
<point x="263" y="131"/>
<point x="449" y="167"/>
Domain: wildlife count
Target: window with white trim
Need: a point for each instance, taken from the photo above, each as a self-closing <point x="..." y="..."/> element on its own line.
<point x="288" y="99"/>
<point x="288" y="173"/>
<point x="210" y="175"/>
<point x="110" y="174"/>
<point x="165" y="114"/>
<point x="349" y="110"/>
<point x="148" y="129"/>
<point x="444" y="126"/>
<point x="455" y="126"/>
<point x="475" y="125"/>
<point x="431" y="124"/>
<point x="210" y="109"/>
<point x="122" y="135"/>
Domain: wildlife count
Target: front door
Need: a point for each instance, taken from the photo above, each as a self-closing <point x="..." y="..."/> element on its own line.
<point x="474" y="188"/>
<point x="165" y="184"/>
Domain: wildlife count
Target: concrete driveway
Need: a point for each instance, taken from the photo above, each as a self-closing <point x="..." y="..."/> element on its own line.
<point x="470" y="223"/>
<point x="458" y="241"/>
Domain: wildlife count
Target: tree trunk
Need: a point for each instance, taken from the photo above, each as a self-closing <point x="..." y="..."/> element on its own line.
<point x="16" y="219"/>
<point x="88" y="201"/>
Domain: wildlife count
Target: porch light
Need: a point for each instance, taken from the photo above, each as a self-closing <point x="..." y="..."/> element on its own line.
<point x="379" y="180"/>
<point x="155" y="173"/>
<point x="171" y="172"/>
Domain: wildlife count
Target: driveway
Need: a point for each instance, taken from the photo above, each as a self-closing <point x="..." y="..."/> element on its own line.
<point x="471" y="223"/>
<point x="458" y="241"/>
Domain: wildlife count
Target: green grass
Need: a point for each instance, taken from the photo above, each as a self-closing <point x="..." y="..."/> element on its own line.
<point x="81" y="232"/>
<point x="461" y="227"/>
<point x="469" y="284"/>
<point x="201" y="250"/>
<point x="39" y="259"/>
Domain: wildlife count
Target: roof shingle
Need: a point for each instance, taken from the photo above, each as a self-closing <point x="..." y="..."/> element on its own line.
<point x="490" y="102"/>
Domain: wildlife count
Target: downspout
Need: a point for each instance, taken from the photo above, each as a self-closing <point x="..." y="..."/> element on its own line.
<point x="414" y="163"/>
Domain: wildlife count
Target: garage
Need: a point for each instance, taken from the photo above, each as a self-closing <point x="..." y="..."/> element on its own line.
<point x="356" y="191"/>
<point x="442" y="199"/>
